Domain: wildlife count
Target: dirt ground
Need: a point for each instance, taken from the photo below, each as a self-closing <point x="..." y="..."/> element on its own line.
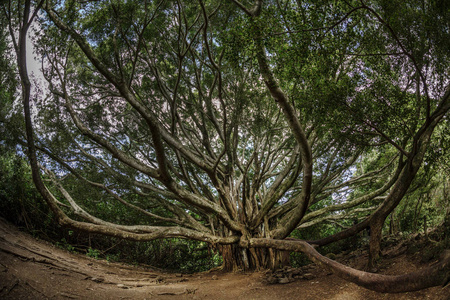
<point x="33" y="269"/>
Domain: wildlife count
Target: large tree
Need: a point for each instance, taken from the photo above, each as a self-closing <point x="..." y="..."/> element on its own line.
<point x="235" y="123"/>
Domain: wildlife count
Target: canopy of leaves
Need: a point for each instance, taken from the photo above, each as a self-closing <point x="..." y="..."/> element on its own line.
<point x="212" y="121"/>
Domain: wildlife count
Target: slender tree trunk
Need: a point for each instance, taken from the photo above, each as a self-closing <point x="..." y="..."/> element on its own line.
<point x="392" y="229"/>
<point x="417" y="213"/>
<point x="376" y="230"/>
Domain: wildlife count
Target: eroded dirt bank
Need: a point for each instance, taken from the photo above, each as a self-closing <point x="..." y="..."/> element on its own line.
<point x="33" y="269"/>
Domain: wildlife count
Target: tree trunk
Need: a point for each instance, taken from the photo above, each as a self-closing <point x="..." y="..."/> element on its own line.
<point x="236" y="258"/>
<point x="376" y="229"/>
<point x="391" y="223"/>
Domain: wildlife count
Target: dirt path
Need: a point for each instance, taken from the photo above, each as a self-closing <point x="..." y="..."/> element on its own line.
<point x="32" y="269"/>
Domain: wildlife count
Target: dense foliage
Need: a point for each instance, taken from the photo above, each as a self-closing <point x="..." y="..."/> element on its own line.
<point x="225" y="122"/>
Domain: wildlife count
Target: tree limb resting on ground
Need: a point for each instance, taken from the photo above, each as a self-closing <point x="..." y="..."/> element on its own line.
<point x="433" y="275"/>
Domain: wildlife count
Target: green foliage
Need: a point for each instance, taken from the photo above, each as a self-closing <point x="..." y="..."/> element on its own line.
<point x="298" y="260"/>
<point x="20" y="203"/>
<point x="177" y="254"/>
<point x="113" y="257"/>
<point x="94" y="253"/>
<point x="63" y="244"/>
<point x="360" y="79"/>
<point x="10" y="119"/>
<point x="170" y="254"/>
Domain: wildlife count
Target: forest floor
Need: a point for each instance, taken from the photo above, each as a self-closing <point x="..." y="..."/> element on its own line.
<point x="34" y="269"/>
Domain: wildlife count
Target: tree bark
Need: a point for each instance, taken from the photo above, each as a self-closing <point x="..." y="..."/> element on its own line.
<point x="434" y="275"/>
<point x="236" y="258"/>
<point x="376" y="230"/>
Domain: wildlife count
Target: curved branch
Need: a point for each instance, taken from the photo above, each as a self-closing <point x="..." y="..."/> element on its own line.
<point x="158" y="133"/>
<point x="254" y="11"/>
<point x="290" y="221"/>
<point x="358" y="200"/>
<point x="347" y="215"/>
<point x="413" y="59"/>
<point x="52" y="202"/>
<point x="430" y="276"/>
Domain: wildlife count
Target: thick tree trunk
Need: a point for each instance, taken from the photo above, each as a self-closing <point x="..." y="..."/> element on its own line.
<point x="236" y="258"/>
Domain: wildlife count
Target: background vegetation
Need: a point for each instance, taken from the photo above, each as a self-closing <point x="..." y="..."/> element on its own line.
<point x="361" y="116"/>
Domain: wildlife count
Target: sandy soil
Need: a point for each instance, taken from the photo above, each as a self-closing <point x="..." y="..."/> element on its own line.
<point x="33" y="269"/>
